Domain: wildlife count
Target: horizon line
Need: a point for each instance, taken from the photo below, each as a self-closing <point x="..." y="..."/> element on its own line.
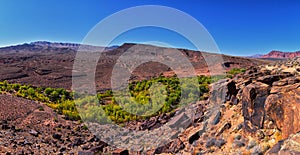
<point x="133" y="42"/>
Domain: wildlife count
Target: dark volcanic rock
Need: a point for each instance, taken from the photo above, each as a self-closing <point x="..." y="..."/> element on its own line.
<point x="56" y="136"/>
<point x="210" y="142"/>
<point x="224" y="127"/>
<point x="284" y="110"/>
<point x="217" y="118"/>
<point x="85" y="153"/>
<point x="222" y="91"/>
<point x="268" y="79"/>
<point x="172" y="147"/>
<point x="120" y="152"/>
<point x="99" y="148"/>
<point x="253" y="102"/>
<point x="181" y="120"/>
<point x="219" y="143"/>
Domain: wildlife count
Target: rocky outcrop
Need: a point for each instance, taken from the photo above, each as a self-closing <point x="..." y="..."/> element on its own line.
<point x="284" y="109"/>
<point x="253" y="102"/>
<point x="271" y="97"/>
<point x="263" y="103"/>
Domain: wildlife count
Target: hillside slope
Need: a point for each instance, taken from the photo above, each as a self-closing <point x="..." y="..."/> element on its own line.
<point x="50" y="64"/>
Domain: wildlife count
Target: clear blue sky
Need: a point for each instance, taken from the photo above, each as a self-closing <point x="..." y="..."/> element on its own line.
<point x="239" y="27"/>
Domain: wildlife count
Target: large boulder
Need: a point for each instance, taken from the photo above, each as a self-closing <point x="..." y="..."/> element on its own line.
<point x="284" y="109"/>
<point x="222" y="91"/>
<point x="253" y="100"/>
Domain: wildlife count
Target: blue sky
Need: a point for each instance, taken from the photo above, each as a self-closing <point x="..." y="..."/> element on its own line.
<point x="239" y="27"/>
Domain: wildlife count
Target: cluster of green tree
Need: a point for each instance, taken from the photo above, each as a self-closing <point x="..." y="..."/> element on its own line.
<point x="145" y="98"/>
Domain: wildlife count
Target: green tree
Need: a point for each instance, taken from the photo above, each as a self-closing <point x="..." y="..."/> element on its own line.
<point x="54" y="96"/>
<point x="48" y="91"/>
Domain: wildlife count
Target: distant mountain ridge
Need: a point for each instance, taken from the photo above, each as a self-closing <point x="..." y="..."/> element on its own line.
<point x="276" y="55"/>
<point x="255" y="56"/>
<point x="56" y="45"/>
<point x="73" y="46"/>
<point x="280" y="54"/>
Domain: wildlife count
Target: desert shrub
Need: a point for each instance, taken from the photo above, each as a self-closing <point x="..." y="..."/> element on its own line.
<point x="48" y="91"/>
<point x="71" y="115"/>
<point x="16" y="86"/>
<point x="41" y="108"/>
<point x="5" y="86"/>
<point x="54" y="96"/>
<point x="235" y="71"/>
<point x="31" y="92"/>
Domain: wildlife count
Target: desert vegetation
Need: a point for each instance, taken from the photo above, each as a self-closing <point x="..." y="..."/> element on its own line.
<point x="143" y="102"/>
<point x="235" y="71"/>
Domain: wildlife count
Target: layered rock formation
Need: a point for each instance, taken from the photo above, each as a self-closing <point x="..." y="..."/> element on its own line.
<point x="280" y="54"/>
